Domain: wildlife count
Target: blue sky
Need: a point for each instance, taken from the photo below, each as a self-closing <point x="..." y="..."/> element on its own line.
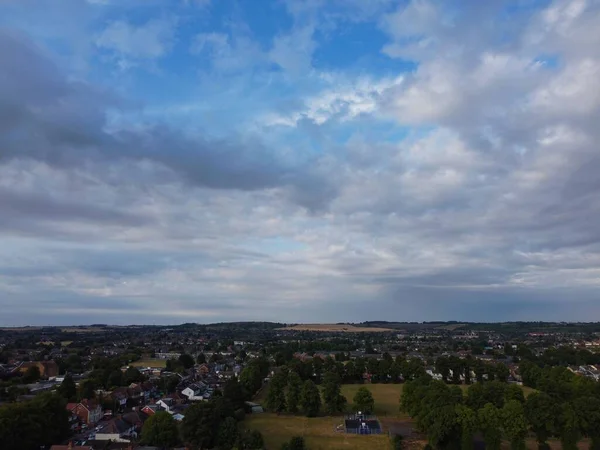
<point x="299" y="161"/>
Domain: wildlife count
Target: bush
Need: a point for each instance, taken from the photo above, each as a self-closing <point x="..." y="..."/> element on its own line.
<point x="397" y="442"/>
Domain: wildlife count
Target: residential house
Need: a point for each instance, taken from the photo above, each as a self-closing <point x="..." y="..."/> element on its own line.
<point x="194" y="392"/>
<point x="70" y="446"/>
<point x="168" y="355"/>
<point x="116" y="430"/>
<point x="136" y="419"/>
<point x="178" y="411"/>
<point x="204" y="369"/>
<point x="166" y="404"/>
<point x="151" y="409"/>
<point x="88" y="411"/>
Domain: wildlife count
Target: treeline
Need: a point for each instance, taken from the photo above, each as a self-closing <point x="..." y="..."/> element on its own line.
<point x="213" y="423"/>
<point x="568" y="408"/>
<point x="37" y="423"/>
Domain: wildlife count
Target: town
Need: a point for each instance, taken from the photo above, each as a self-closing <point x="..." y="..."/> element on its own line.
<point x="254" y="385"/>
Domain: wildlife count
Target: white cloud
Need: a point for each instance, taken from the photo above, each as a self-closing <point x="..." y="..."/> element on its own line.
<point x="293" y="51"/>
<point x="130" y="43"/>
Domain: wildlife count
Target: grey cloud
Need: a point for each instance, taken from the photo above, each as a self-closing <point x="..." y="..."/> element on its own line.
<point x="48" y="118"/>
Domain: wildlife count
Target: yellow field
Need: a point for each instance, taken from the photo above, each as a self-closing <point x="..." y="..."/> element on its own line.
<point x="319" y="433"/>
<point x="334" y="327"/>
<point x="150" y="362"/>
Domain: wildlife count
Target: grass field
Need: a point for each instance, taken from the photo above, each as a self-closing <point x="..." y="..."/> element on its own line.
<point x="150" y="362"/>
<point x="319" y="433"/>
<point x="334" y="327"/>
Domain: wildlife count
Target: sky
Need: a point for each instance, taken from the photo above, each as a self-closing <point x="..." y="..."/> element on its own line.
<point x="171" y="161"/>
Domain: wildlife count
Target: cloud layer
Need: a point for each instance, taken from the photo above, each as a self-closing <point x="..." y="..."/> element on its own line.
<point x="187" y="165"/>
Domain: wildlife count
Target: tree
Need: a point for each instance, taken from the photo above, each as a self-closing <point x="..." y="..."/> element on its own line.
<point x="200" y="424"/>
<point x="397" y="442"/>
<point x="514" y="424"/>
<point x="442" y="366"/>
<point x="160" y="430"/>
<point x="234" y="393"/>
<point x="493" y="392"/>
<point x="68" y="389"/>
<point x="293" y="391"/>
<point x="37" y="423"/>
<point x="310" y="398"/>
<point x="228" y="434"/>
<point x="115" y="379"/>
<point x="251" y="378"/>
<point x="514" y="392"/>
<point x="568" y="427"/>
<point x="87" y="389"/>
<point x="333" y="400"/>
<point x="588" y="410"/>
<point x="186" y="360"/>
<point x="276" y="395"/>
<point x="363" y="401"/>
<point x="296" y="443"/>
<point x="251" y="440"/>
<point x="32" y="374"/>
<point x="467" y="418"/>
<point x="132" y="375"/>
<point x="491" y="426"/>
<point x="502" y="372"/>
<point x="201" y="358"/>
<point x="540" y="414"/>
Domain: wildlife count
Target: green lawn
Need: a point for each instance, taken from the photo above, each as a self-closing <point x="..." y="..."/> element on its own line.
<point x="386" y="396"/>
<point x="150" y="362"/>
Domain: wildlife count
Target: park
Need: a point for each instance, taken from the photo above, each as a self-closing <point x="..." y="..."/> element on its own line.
<point x="325" y="432"/>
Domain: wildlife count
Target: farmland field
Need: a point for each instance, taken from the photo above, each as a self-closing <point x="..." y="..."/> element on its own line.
<point x="150" y="362"/>
<point x="335" y="327"/>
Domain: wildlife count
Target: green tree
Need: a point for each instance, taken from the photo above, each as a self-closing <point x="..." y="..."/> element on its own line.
<point x="251" y="440"/>
<point x="37" y="423"/>
<point x="276" y="395"/>
<point x="201" y="358"/>
<point x="293" y="391"/>
<point x="397" y="442"/>
<point x="234" y="392"/>
<point x="540" y="413"/>
<point x="568" y="426"/>
<point x="363" y="401"/>
<point x="68" y="389"/>
<point x="186" y="360"/>
<point x="228" y="434"/>
<point x="588" y="411"/>
<point x="297" y="443"/>
<point x="200" y="424"/>
<point x="87" y="389"/>
<point x="333" y="400"/>
<point x="32" y="374"/>
<point x="514" y="424"/>
<point x="310" y="399"/>
<point x="467" y="418"/>
<point x="502" y="372"/>
<point x="160" y="430"/>
<point x="514" y="392"/>
<point x="490" y="422"/>
<point x="115" y="379"/>
<point x="132" y="375"/>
